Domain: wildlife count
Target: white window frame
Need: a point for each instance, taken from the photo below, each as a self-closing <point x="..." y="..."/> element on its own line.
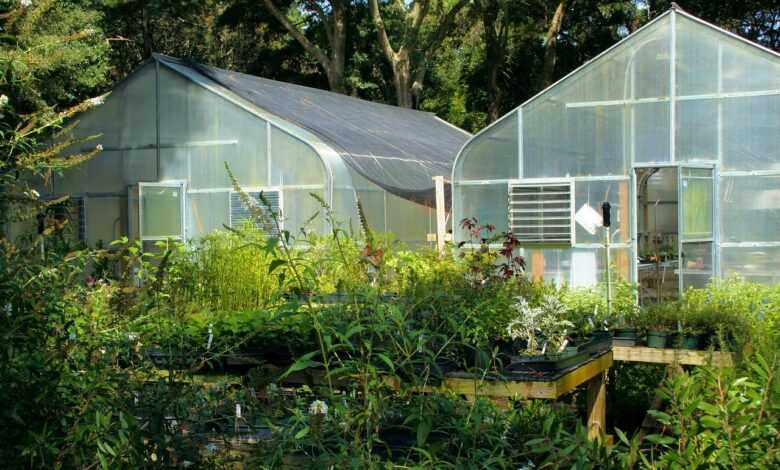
<point x="182" y="185"/>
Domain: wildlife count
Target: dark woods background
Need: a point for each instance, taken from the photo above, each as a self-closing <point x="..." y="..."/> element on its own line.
<point x="469" y="61"/>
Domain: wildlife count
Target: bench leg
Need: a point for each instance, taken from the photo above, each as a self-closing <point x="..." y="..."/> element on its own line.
<point x="597" y="406"/>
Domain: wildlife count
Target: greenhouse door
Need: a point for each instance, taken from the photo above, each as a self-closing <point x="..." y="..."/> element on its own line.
<point x="161" y="210"/>
<point x="696" y="216"/>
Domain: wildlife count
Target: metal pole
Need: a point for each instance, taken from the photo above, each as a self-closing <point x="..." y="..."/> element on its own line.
<point x="606" y="221"/>
<point x="609" y="271"/>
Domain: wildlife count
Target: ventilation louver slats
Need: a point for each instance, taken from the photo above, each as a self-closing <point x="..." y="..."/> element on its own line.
<point x="541" y="213"/>
<point x="239" y="213"/>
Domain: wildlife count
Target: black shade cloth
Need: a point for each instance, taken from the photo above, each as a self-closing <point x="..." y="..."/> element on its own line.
<point x="398" y="149"/>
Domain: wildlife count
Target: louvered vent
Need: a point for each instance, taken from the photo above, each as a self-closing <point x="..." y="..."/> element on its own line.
<point x="239" y="213"/>
<point x="542" y="213"/>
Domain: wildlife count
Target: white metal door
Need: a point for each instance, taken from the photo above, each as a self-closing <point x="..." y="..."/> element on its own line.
<point x="696" y="212"/>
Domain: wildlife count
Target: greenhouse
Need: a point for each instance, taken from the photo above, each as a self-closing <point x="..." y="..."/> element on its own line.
<point x="677" y="127"/>
<point x="168" y="129"/>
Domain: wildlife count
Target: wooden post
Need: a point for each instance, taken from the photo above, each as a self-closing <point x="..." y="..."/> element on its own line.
<point x="537" y="265"/>
<point x="441" y="214"/>
<point x="625" y="231"/>
<point x="597" y="406"/>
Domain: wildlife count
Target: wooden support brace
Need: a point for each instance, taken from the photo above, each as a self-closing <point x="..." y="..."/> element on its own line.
<point x="597" y="406"/>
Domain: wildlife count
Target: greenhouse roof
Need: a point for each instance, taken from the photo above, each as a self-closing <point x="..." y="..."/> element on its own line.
<point x="398" y="149"/>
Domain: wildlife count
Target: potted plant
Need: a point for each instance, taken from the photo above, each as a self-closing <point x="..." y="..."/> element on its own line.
<point x="545" y="332"/>
<point x="655" y="320"/>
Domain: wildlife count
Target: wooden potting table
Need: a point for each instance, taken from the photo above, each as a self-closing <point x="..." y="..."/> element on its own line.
<point x="538" y="387"/>
<point x="684" y="357"/>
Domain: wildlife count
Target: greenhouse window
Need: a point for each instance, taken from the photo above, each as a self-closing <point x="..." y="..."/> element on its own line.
<point x="542" y="213"/>
<point x="240" y="213"/>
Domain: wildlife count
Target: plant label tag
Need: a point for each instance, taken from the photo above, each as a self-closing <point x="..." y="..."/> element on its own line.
<point x="588" y="218"/>
<point x="238" y="410"/>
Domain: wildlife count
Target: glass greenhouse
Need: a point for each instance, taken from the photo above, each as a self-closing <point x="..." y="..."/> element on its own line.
<point x="167" y="130"/>
<point x="677" y="126"/>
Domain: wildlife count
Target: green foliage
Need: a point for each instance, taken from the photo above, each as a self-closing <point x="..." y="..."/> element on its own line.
<point x="717" y="419"/>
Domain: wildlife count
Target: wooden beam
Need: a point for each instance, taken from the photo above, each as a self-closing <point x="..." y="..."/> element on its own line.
<point x="441" y="214"/>
<point x="672" y="356"/>
<point x="597" y="406"/>
<point x="537" y="265"/>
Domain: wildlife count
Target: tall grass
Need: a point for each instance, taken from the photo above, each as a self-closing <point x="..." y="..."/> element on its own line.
<point x="228" y="270"/>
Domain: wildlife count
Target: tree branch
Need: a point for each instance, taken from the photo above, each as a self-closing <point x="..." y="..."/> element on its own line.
<point x="296" y="33"/>
<point x="384" y="41"/>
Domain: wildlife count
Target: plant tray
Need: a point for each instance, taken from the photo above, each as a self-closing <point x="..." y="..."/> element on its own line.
<point x="547" y="362"/>
<point x="624" y="342"/>
<point x="596" y="345"/>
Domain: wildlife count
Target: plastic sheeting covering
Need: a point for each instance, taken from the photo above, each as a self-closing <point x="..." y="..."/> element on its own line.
<point x="398" y="149"/>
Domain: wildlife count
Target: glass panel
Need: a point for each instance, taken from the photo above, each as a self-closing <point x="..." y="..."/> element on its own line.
<point x="299" y="208"/>
<point x="207" y="212"/>
<point x="293" y="162"/>
<point x="697" y="58"/>
<point x="697" y="130"/>
<point x="488" y="203"/>
<point x="410" y="222"/>
<point x="759" y="264"/>
<point x="696" y="265"/>
<point x="593" y="193"/>
<point x="751" y="133"/>
<point x="651" y="132"/>
<point x="491" y="155"/>
<point x="104" y="220"/>
<point x="750" y="208"/>
<point x="697" y="257"/>
<point x="696" y="210"/>
<point x="161" y="211"/>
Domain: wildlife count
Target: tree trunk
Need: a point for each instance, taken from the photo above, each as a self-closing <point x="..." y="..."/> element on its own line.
<point x="402" y="78"/>
<point x="148" y="43"/>
<point x="410" y="63"/>
<point x="495" y="52"/>
<point x="551" y="41"/>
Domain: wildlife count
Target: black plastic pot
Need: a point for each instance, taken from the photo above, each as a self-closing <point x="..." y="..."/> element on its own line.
<point x="657" y="339"/>
<point x="685" y="341"/>
<point x="624" y="337"/>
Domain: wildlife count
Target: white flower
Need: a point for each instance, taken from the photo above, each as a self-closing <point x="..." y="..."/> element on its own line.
<point x="3" y="101"/>
<point x="96" y="101"/>
<point x="99" y="147"/>
<point x="318" y="407"/>
<point x="26" y="3"/>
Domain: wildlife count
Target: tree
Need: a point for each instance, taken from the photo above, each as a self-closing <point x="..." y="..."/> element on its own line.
<point x="52" y="57"/>
<point x="416" y="41"/>
<point x="333" y="16"/>
<point x="551" y="40"/>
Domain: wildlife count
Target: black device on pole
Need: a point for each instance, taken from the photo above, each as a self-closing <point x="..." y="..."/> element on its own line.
<point x="606" y="219"/>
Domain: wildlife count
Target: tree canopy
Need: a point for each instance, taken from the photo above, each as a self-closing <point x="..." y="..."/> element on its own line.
<point x="469" y="61"/>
